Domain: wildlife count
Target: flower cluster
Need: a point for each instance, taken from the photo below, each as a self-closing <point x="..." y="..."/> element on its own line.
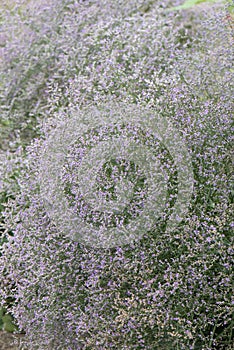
<point x="110" y="172"/>
<point x="105" y="62"/>
<point x="101" y="47"/>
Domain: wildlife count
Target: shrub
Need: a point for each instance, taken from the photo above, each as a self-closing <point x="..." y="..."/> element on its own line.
<point x="167" y="290"/>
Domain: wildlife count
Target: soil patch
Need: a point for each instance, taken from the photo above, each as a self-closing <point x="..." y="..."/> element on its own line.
<point x="9" y="341"/>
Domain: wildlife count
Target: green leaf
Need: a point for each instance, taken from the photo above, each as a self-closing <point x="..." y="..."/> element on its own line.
<point x="8" y="324"/>
<point x="189" y="4"/>
<point x="5" y="122"/>
<point x="9" y="327"/>
<point x="231" y="8"/>
<point x="2" y="312"/>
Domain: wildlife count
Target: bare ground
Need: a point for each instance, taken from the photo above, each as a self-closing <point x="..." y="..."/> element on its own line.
<point x="9" y="341"/>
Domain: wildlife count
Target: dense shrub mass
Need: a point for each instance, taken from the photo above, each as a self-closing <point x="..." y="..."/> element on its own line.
<point x="167" y="290"/>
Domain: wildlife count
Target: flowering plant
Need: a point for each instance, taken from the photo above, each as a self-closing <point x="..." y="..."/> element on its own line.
<point x="121" y="217"/>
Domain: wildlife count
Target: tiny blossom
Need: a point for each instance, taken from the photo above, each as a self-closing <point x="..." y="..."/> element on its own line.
<point x="168" y="290"/>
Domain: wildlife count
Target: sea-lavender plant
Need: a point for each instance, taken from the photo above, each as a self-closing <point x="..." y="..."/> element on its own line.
<point x="166" y="290"/>
<point x="52" y="44"/>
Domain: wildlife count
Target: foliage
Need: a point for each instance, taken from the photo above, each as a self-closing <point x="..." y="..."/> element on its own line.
<point x="188" y="4"/>
<point x="6" y="321"/>
<point x="165" y="291"/>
